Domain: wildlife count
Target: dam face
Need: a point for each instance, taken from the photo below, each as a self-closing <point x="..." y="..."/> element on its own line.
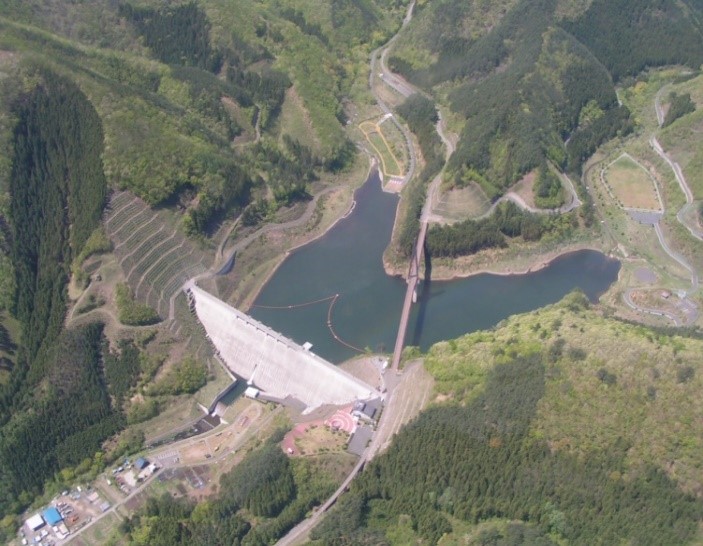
<point x="276" y="365"/>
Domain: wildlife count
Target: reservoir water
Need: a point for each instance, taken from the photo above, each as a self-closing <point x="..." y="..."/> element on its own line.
<point x="347" y="261"/>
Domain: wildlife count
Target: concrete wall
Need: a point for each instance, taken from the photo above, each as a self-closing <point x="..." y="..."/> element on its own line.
<point x="273" y="363"/>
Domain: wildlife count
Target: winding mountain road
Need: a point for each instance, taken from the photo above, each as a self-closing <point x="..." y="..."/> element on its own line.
<point x="695" y="231"/>
<point x="627" y="298"/>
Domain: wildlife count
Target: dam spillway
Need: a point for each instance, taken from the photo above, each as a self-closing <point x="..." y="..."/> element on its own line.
<point x="270" y="361"/>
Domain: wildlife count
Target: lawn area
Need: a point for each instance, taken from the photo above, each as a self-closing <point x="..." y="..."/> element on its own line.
<point x="374" y="134"/>
<point x="320" y="439"/>
<point x="98" y="533"/>
<point x="631" y="185"/>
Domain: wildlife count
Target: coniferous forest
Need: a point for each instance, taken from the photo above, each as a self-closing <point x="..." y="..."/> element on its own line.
<point x="276" y="490"/>
<point x="217" y="111"/>
<point x="58" y="191"/>
<point x="478" y="461"/>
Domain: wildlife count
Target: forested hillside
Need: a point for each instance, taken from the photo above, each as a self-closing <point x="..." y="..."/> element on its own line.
<point x="534" y="80"/>
<point x="57" y="191"/>
<point x="178" y="102"/>
<point x="557" y="421"/>
<point x="185" y="87"/>
<point x="259" y="501"/>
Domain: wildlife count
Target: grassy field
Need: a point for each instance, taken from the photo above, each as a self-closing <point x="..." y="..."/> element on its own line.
<point x="374" y="133"/>
<point x="98" y="533"/>
<point x="295" y="121"/>
<point x="632" y="185"/>
<point x="388" y="161"/>
<point x="320" y="439"/>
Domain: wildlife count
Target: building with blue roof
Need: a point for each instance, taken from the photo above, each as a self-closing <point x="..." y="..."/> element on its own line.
<point x="52" y="516"/>
<point x="141" y="463"/>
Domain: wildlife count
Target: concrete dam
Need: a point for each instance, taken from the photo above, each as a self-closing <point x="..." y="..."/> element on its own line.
<point x="276" y="365"/>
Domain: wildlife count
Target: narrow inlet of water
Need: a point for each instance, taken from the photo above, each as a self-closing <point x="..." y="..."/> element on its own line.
<point x="299" y="299"/>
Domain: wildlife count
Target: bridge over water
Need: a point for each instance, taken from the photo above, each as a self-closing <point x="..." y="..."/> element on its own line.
<point x="410" y="293"/>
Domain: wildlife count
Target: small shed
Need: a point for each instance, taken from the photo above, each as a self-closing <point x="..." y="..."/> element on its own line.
<point x="35" y="522"/>
<point x="251" y="392"/>
<point x="368" y="411"/>
<point x="141" y="463"/>
<point x="52" y="516"/>
<point x="372" y="408"/>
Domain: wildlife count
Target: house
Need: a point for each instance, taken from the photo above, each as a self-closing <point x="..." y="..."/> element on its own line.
<point x="367" y="411"/>
<point x="35" y="522"/>
<point x="52" y="516"/>
<point x="141" y="463"/>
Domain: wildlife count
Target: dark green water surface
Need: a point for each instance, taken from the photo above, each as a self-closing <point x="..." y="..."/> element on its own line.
<point x="347" y="261"/>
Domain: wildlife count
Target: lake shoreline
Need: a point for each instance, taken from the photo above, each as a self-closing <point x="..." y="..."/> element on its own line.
<point x="249" y="299"/>
<point x="538" y="262"/>
<point x="440" y="273"/>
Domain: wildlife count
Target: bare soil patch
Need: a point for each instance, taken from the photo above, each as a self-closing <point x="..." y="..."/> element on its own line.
<point x="525" y="188"/>
<point x="365" y="368"/>
<point x="645" y="275"/>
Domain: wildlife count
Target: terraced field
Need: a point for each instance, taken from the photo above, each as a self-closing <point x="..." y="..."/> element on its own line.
<point x="459" y="204"/>
<point x="156" y="259"/>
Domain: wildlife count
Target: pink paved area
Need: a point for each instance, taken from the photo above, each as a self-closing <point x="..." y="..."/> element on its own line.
<point x="339" y="420"/>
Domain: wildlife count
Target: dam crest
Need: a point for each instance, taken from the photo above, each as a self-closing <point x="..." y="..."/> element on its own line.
<point x="271" y="362"/>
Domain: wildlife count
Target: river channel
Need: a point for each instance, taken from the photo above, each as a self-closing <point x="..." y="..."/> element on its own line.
<point x="347" y="261"/>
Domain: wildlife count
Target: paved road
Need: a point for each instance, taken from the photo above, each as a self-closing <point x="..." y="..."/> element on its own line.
<point x="394" y="80"/>
<point x="677" y="257"/>
<point x="574" y="203"/>
<point x="680" y="216"/>
<point x="678" y="173"/>
<point x="303" y="528"/>
<point x="694" y="230"/>
<point x="384" y="431"/>
<point x="627" y="298"/>
<point x="413" y="278"/>
<point x="153" y="454"/>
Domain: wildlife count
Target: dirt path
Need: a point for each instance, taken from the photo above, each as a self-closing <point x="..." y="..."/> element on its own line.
<point x="658" y="106"/>
<point x="111" y="320"/>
